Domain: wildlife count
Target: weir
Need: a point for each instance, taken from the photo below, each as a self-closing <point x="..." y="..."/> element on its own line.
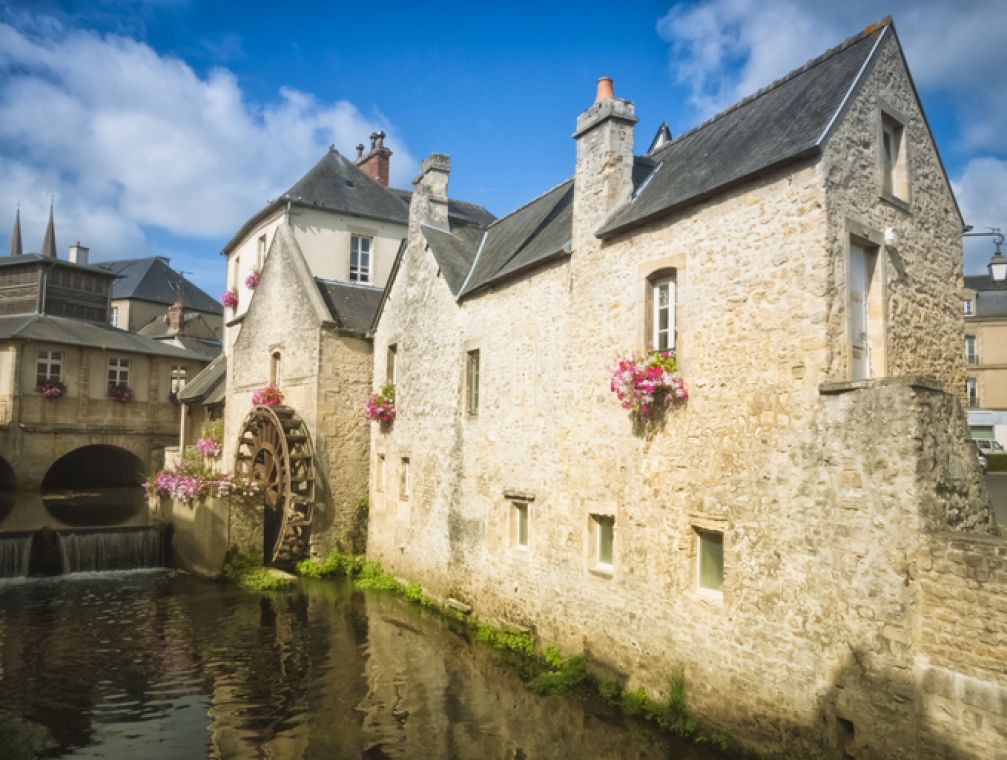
<point x="49" y="552"/>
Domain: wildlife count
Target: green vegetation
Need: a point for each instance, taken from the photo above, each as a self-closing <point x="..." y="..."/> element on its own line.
<point x="20" y="740"/>
<point x="245" y="569"/>
<point x="546" y="674"/>
<point x="997" y="462"/>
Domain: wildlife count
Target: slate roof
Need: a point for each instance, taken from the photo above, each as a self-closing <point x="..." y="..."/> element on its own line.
<point x="351" y="304"/>
<point x="786" y="121"/>
<point x="31" y="258"/>
<point x="337" y="184"/>
<point x="454" y="251"/>
<point x="152" y="279"/>
<point x="42" y="327"/>
<point x="209" y="386"/>
<point x="459" y="212"/>
<point x="991" y="300"/>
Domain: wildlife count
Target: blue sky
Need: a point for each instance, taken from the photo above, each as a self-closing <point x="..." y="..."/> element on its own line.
<point x="161" y="126"/>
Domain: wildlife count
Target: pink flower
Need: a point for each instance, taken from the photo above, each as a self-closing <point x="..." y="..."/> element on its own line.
<point x="268" y="396"/>
<point x="644" y="384"/>
<point x="229" y="298"/>
<point x="208" y="448"/>
<point x="252" y="280"/>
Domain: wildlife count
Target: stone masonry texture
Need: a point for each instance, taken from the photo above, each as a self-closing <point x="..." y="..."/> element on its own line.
<point x="862" y="612"/>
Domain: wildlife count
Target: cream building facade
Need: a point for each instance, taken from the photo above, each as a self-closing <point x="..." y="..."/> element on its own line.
<point x="985" y="306"/>
<point x="798" y="538"/>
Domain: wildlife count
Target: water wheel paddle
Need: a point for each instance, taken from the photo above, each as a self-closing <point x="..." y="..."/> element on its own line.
<point x="274" y="450"/>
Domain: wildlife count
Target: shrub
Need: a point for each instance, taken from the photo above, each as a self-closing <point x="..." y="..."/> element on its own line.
<point x="380" y="407"/>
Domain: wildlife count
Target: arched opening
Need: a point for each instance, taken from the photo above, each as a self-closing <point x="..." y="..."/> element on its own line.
<point x="94" y="486"/>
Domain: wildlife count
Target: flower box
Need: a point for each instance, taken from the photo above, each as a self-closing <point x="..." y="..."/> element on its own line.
<point x="51" y="389"/>
<point x="268" y="396"/>
<point x="121" y="393"/>
<point x="647" y="384"/>
<point x="380" y="407"/>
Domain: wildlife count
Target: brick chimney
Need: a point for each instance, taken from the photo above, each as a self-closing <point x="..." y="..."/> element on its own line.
<point x="175" y="316"/>
<point x="429" y="204"/>
<point x="604" y="172"/>
<point x="375" y="163"/>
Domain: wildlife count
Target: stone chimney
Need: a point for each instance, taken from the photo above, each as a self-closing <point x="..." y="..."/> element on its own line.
<point x="429" y="204"/>
<point x="375" y="163"/>
<point x="604" y="173"/>
<point x="175" y="319"/>
<point x="78" y="253"/>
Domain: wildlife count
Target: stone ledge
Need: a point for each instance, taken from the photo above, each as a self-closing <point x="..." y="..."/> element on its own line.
<point x="917" y="382"/>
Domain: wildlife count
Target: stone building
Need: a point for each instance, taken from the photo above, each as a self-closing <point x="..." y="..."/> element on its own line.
<point x="986" y="358"/>
<point x="320" y="255"/>
<point x="76" y="394"/>
<point x="807" y="539"/>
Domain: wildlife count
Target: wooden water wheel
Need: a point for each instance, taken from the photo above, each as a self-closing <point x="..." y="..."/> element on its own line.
<point x="274" y="449"/>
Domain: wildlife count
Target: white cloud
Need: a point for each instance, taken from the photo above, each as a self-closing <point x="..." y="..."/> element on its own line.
<point x="723" y="50"/>
<point x="130" y="141"/>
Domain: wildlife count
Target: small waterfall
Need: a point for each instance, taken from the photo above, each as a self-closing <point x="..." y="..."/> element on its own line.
<point x="113" y="549"/>
<point x="15" y="551"/>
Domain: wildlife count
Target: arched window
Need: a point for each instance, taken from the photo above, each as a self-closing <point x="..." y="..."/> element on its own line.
<point x="661" y="307"/>
<point x="276" y="369"/>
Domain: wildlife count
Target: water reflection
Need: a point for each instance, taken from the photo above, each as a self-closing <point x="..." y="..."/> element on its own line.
<point x="161" y="665"/>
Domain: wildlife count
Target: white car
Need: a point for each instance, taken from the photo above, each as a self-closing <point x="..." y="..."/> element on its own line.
<point x="988" y="446"/>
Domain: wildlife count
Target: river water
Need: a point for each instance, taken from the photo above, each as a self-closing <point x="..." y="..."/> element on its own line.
<point x="159" y="665"/>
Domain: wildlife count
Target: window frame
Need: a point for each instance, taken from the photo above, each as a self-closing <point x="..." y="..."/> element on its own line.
<point x="178" y="377"/>
<point x="121" y="367"/>
<point x="276" y="369"/>
<point x="968" y="306"/>
<point x="971" y="350"/>
<point x="405" y="479"/>
<point x="53" y="359"/>
<point x="260" y="252"/>
<point x="597" y="532"/>
<point x="362" y="255"/>
<point x="113" y="316"/>
<point x="656" y="285"/>
<point x="893" y="163"/>
<point x="391" y="355"/>
<point x="700" y="533"/>
<point x="972" y="392"/>
<point x="520" y="517"/>
<point x="472" y="378"/>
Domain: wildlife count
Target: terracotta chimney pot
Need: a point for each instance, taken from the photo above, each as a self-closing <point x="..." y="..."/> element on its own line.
<point x="604" y="89"/>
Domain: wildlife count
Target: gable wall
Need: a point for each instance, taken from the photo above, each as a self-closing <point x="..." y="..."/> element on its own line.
<point x="923" y="276"/>
<point x="324" y="238"/>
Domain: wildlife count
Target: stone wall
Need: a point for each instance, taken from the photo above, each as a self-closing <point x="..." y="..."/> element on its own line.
<point x="824" y="493"/>
<point x="922" y="276"/>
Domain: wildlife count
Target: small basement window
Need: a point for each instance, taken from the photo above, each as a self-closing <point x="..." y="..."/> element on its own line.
<point x="519" y="525"/>
<point x="602" y="542"/>
<point x="710" y="561"/>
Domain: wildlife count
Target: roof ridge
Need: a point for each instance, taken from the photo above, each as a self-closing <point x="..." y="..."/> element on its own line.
<point x="808" y="65"/>
<point x="528" y="203"/>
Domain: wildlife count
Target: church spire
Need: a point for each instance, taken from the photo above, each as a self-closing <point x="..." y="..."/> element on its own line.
<point x="49" y="241"/>
<point x="16" y="248"/>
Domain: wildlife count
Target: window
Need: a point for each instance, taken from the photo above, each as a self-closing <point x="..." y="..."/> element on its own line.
<point x="404" y="482"/>
<point x="893" y="162"/>
<point x="710" y="561"/>
<point x="276" y="369"/>
<point x="113" y="316"/>
<point x="260" y="253"/>
<point x="969" y="307"/>
<point x="49" y="367"/>
<point x="118" y="372"/>
<point x="519" y="524"/>
<point x="972" y="391"/>
<point x="379" y="474"/>
<point x="662" y="319"/>
<point x="179" y="377"/>
<point x="390" y="364"/>
<point x="602" y="542"/>
<point x="360" y="259"/>
<point x="970" y="349"/>
<point x="472" y="382"/>
<point x="234" y="272"/>
<point x="865" y="313"/>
